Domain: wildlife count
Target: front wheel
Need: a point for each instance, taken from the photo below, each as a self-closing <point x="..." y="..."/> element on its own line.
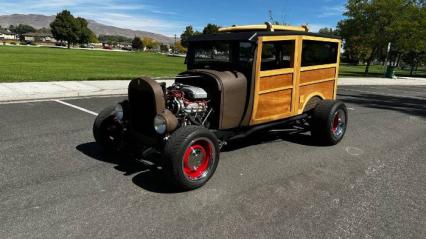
<point x="329" y="122"/>
<point x="107" y="130"/>
<point x="191" y="155"/>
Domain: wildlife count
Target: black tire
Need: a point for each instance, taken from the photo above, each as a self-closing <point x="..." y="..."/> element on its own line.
<point x="179" y="157"/>
<point x="329" y="122"/>
<point x="109" y="140"/>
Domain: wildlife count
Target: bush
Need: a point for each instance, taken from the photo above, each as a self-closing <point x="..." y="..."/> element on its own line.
<point x="137" y="43"/>
<point x="13" y="43"/>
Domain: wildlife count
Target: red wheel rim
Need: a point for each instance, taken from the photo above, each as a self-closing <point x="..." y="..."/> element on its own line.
<point x="335" y="123"/>
<point x="198" y="158"/>
<point x="339" y="123"/>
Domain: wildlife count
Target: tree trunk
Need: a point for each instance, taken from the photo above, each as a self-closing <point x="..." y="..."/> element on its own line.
<point x="398" y="60"/>
<point x="413" y="64"/>
<point x="367" y="67"/>
<point x="369" y="60"/>
<point x="69" y="44"/>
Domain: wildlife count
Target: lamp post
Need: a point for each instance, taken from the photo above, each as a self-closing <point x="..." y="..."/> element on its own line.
<point x="175" y="44"/>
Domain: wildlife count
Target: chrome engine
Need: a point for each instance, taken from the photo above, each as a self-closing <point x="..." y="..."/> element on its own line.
<point x="188" y="103"/>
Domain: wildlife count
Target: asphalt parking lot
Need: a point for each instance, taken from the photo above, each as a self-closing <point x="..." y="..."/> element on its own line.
<point x="56" y="183"/>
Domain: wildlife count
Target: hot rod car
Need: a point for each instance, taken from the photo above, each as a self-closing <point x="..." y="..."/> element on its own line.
<point x="240" y="81"/>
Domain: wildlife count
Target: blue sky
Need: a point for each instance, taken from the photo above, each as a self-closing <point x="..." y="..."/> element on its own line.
<point x="170" y="17"/>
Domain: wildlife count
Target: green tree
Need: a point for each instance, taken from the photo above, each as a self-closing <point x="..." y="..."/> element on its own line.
<point x="44" y="30"/>
<point x="211" y="29"/>
<point x="189" y="32"/>
<point x="164" y="48"/>
<point x="328" y="31"/>
<point x="85" y="35"/>
<point x="150" y="43"/>
<point x="180" y="48"/>
<point x="114" y="39"/>
<point x="21" y="29"/>
<point x="137" y="43"/>
<point x="65" y="28"/>
<point x="372" y="24"/>
<point x="93" y="38"/>
<point x="410" y="44"/>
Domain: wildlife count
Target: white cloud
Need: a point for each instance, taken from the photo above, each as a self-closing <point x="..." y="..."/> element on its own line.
<point x="110" y="12"/>
<point x="331" y="11"/>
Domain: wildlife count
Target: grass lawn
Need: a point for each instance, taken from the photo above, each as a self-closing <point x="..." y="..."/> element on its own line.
<point x="19" y="63"/>
<point x="377" y="71"/>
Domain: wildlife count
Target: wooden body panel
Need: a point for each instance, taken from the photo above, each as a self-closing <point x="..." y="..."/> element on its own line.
<point x="283" y="93"/>
<point x="273" y="102"/>
<point x="274" y="82"/>
<point x="325" y="90"/>
<point x="317" y="75"/>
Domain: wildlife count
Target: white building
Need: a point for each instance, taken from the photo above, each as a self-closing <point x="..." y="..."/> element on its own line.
<point x="39" y="37"/>
<point x="6" y="35"/>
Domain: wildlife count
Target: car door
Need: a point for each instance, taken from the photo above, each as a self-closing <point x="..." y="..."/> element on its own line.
<point x="277" y="69"/>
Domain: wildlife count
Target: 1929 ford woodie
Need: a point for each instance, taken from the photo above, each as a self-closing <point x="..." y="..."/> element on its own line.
<point x="240" y="81"/>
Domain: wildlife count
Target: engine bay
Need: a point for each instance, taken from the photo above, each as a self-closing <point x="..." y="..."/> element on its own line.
<point x="190" y="104"/>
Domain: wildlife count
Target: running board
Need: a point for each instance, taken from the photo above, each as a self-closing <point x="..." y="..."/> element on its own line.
<point x="268" y="126"/>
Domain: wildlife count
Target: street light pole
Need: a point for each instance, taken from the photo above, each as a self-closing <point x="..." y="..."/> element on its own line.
<point x="387" y="53"/>
<point x="386" y="59"/>
<point x="175" y="43"/>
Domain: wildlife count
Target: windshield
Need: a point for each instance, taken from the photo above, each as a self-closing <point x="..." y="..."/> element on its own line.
<point x="219" y="52"/>
<point x="221" y="55"/>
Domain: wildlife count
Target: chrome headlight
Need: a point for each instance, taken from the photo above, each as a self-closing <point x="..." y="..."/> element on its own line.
<point x="160" y="124"/>
<point x="118" y="112"/>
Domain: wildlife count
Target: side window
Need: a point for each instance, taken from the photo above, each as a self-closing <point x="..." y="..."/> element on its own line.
<point x="277" y="55"/>
<point x="319" y="53"/>
<point x="245" y="52"/>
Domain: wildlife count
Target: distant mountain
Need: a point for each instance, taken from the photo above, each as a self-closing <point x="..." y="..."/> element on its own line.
<point x="40" y="21"/>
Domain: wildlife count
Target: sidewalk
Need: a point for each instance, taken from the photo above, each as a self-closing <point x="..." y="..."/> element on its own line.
<point x="68" y="89"/>
<point x="61" y="89"/>
<point x="381" y="81"/>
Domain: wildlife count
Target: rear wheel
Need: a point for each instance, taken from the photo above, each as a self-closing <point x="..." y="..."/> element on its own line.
<point x="192" y="156"/>
<point x="329" y="122"/>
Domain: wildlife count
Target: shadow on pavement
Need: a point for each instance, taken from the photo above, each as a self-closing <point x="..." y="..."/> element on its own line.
<point x="151" y="178"/>
<point x="411" y="106"/>
<point x="270" y="136"/>
<point x="148" y="177"/>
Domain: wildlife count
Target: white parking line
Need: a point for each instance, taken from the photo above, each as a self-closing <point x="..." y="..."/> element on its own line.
<point x="77" y="107"/>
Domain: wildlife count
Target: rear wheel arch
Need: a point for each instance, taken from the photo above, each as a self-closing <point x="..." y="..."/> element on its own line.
<point x="312" y="101"/>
